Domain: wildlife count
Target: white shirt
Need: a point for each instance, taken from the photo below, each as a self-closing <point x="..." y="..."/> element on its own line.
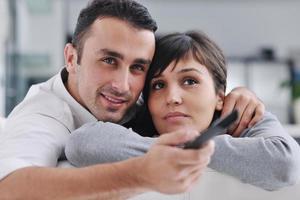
<point x="36" y="131"/>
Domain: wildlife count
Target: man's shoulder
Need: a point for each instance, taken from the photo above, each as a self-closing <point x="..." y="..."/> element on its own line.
<point x="41" y="99"/>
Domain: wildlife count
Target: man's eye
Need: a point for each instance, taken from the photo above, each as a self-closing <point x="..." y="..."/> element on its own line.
<point x="157" y="85"/>
<point x="190" y="81"/>
<point x="110" y="61"/>
<point x="138" y="68"/>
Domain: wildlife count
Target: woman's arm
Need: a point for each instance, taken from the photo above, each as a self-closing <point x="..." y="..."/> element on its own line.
<point x="264" y="155"/>
<point x="101" y="142"/>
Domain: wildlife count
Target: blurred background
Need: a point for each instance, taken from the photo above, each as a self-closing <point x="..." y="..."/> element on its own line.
<point x="259" y="37"/>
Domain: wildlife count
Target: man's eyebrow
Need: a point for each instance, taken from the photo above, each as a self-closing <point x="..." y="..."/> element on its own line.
<point x="119" y="55"/>
<point x="142" y="61"/>
<point x="110" y="53"/>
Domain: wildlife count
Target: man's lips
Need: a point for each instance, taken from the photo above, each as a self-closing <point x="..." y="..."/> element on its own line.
<point x="114" y="100"/>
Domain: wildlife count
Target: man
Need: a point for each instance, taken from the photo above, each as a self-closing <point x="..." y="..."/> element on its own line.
<point x="106" y="65"/>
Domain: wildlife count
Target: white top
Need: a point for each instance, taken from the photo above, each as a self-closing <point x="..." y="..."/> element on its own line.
<point x="36" y="131"/>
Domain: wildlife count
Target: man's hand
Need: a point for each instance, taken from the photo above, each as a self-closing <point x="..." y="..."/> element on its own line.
<point x="170" y="169"/>
<point x="249" y="107"/>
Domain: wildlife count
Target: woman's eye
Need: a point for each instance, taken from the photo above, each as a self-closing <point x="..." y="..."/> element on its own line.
<point x="157" y="86"/>
<point x="110" y="61"/>
<point x="190" y="81"/>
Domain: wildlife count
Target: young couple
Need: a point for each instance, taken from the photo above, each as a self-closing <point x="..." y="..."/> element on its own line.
<point x="106" y="67"/>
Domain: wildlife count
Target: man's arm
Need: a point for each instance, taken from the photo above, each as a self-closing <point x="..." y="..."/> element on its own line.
<point x="115" y="181"/>
<point x="265" y="155"/>
<point x="164" y="168"/>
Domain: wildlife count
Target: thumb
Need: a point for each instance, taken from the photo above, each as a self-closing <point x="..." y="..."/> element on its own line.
<point x="177" y="137"/>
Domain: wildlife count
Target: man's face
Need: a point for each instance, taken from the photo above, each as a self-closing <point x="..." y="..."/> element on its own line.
<point x="114" y="62"/>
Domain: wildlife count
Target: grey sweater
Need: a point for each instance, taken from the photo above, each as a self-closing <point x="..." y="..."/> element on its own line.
<point x="264" y="155"/>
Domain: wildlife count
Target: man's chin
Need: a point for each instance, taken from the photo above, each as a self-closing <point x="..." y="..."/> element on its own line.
<point x="111" y="117"/>
<point x="110" y="114"/>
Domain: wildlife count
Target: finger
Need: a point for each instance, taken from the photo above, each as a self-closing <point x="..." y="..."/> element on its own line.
<point x="240" y="107"/>
<point x="192" y="179"/>
<point x="186" y="170"/>
<point x="245" y="119"/>
<point x="209" y="147"/>
<point x="177" y="137"/>
<point x="258" y="114"/>
<point x="229" y="103"/>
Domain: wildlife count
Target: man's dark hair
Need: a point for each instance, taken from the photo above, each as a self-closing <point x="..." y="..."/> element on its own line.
<point x="130" y="11"/>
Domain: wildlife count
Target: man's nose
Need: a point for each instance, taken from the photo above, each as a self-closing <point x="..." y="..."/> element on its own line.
<point x="174" y="96"/>
<point x="121" y="81"/>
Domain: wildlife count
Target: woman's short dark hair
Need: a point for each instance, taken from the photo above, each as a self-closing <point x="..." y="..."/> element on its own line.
<point x="130" y="11"/>
<point x="174" y="47"/>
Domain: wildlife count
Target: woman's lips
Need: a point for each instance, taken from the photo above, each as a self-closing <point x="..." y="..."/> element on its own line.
<point x="175" y="116"/>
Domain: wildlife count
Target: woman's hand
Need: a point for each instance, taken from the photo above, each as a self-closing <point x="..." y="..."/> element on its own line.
<point x="251" y="109"/>
<point x="169" y="169"/>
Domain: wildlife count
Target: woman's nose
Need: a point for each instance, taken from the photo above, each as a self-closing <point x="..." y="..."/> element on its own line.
<point x="174" y="96"/>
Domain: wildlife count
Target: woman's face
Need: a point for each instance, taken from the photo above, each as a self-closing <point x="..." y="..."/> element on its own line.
<point x="183" y="96"/>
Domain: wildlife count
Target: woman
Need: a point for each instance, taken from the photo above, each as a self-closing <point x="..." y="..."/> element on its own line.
<point x="185" y="87"/>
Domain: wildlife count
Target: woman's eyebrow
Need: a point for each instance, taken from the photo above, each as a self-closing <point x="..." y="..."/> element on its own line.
<point x="190" y="69"/>
<point x="185" y="70"/>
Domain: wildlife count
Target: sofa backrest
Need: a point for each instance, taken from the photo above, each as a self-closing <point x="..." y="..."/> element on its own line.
<point x="215" y="186"/>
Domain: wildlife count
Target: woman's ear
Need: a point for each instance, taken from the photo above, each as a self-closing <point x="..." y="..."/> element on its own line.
<point x="70" y="54"/>
<point x="220" y="100"/>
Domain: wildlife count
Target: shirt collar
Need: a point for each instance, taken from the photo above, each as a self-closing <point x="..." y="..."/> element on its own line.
<point x="80" y="114"/>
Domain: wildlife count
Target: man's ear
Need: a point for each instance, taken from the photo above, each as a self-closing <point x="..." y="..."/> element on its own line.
<point x="70" y="54"/>
<point x="220" y="100"/>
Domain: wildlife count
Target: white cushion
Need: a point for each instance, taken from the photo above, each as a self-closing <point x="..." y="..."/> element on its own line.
<point x="216" y="186"/>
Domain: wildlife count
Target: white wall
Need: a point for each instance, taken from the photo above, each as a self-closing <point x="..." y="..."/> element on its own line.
<point x="240" y="27"/>
<point x="42" y="32"/>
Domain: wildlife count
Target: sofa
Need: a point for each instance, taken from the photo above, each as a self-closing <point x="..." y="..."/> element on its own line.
<point x="217" y="186"/>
